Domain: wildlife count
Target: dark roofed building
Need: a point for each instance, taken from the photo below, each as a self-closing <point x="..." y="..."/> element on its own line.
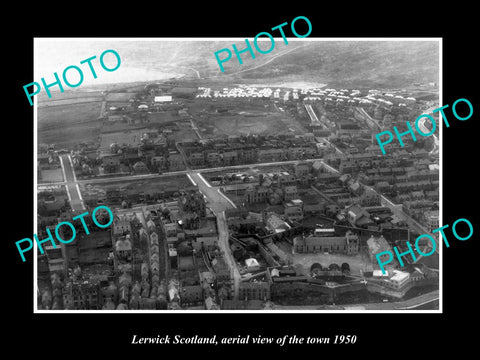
<point x="348" y="244"/>
<point x="357" y="216"/>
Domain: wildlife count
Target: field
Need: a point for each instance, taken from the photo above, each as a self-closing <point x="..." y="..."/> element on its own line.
<point x="68" y="97"/>
<point x="162" y="117"/>
<point x="242" y="117"/>
<point x="69" y="124"/>
<point x="122" y="97"/>
<point x="68" y="101"/>
<point x="118" y="126"/>
<point x="241" y="125"/>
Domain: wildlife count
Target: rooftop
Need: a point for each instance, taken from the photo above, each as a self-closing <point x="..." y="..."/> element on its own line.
<point x="399" y="276"/>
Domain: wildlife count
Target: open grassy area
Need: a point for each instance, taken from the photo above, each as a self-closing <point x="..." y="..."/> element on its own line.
<point x="120" y="96"/>
<point x="242" y="124"/>
<point x="162" y="117"/>
<point x="241" y="117"/>
<point x="68" y="97"/>
<point x="59" y="101"/>
<point x="67" y="125"/>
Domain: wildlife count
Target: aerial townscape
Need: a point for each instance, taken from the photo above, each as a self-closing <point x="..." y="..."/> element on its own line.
<point x="237" y="196"/>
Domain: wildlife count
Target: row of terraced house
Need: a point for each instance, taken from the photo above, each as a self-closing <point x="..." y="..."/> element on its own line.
<point x="243" y="150"/>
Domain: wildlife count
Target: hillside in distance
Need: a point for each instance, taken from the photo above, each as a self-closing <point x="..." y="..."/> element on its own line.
<point x="363" y="64"/>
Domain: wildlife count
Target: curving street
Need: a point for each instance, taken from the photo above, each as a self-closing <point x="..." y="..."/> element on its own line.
<point x="425" y="130"/>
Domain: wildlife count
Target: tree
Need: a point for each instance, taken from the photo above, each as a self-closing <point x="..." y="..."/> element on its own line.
<point x="316" y="267"/>
<point x="333" y="266"/>
<point x="166" y="212"/>
<point x="345" y="268"/>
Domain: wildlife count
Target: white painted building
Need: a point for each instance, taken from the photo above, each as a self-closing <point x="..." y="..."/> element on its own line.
<point x="399" y="279"/>
<point x="164" y="98"/>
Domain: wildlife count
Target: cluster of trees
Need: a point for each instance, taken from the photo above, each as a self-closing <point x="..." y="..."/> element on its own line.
<point x="317" y="267"/>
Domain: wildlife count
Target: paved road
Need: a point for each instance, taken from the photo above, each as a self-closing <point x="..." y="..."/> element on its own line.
<point x="314" y="119"/>
<point x="410" y="304"/>
<point x="423" y="128"/>
<point x="185" y="172"/>
<point x="71" y="184"/>
<point x="313" y="116"/>
<point x="103" y="108"/>
<point x="195" y="128"/>
<point x="219" y="203"/>
<point x="224" y="246"/>
<point x="97" y="180"/>
<point x="364" y="113"/>
<point x="217" y="198"/>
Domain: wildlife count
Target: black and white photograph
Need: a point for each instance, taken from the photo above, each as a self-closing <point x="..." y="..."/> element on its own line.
<point x="200" y="181"/>
<point x="254" y="186"/>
